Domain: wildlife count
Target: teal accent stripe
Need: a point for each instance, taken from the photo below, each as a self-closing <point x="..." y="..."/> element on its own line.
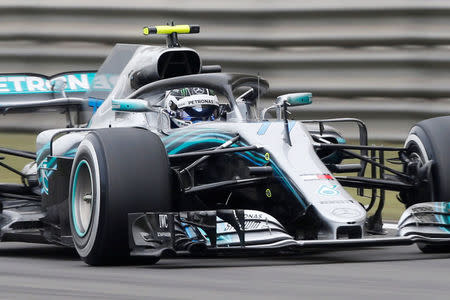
<point x="341" y="140"/>
<point x="252" y="156"/>
<point x="41" y="151"/>
<point x="213" y="134"/>
<point x="440" y="207"/>
<point x="287" y="183"/>
<point x="193" y="143"/>
<point x="74" y="218"/>
<point x="446" y="209"/>
<point x="291" y="125"/>
<point x="183" y="133"/>
<point x="285" y="180"/>
<point x="71" y="152"/>
<point x="198" y="139"/>
<point x="264" y="126"/>
<point x="203" y="138"/>
<point x="50" y="164"/>
<point x="249" y="159"/>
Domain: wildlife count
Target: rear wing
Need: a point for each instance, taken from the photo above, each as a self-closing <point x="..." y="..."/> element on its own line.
<point x="28" y="92"/>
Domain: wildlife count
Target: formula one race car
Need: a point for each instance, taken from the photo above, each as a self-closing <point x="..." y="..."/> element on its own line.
<point x="165" y="156"/>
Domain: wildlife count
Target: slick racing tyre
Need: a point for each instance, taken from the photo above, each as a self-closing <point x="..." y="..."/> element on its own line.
<point x="116" y="171"/>
<point x="430" y="140"/>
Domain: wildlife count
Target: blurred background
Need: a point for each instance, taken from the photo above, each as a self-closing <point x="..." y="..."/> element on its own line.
<point x="385" y="62"/>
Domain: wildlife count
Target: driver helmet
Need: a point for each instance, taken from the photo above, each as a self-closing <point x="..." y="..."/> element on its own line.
<point x="190" y="105"/>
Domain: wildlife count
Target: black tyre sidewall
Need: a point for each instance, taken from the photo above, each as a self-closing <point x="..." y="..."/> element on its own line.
<point x="434" y="134"/>
<point x="87" y="246"/>
<point x="134" y="174"/>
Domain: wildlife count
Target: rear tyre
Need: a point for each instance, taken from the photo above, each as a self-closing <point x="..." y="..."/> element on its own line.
<point x="430" y="140"/>
<point x="115" y="172"/>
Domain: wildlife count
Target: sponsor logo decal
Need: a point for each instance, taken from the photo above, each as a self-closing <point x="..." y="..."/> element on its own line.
<point x="163" y="221"/>
<point x="248" y="225"/>
<point x="328" y="190"/>
<point x="430" y="218"/>
<point x="332" y="202"/>
<point x="163" y="234"/>
<point x="229" y="228"/>
<point x="26" y="84"/>
<point x="253" y="216"/>
<point x="200" y="101"/>
<point x="253" y="221"/>
<point x="251" y="225"/>
<point x="104" y="82"/>
<point x="308" y="177"/>
<point x="346" y="213"/>
<point x="422" y="209"/>
<point x="198" y="90"/>
<point x="145" y="236"/>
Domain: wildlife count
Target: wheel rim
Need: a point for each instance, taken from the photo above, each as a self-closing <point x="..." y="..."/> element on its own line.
<point x="416" y="152"/>
<point x="82" y="198"/>
<point x="417" y="157"/>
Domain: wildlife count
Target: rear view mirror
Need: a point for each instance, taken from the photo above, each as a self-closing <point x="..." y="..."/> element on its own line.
<point x="295" y="99"/>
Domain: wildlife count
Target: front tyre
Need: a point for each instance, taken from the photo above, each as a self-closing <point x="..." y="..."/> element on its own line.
<point x="429" y="140"/>
<point x="116" y="171"/>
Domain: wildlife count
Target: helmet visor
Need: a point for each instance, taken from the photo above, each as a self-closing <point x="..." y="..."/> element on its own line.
<point x="199" y="112"/>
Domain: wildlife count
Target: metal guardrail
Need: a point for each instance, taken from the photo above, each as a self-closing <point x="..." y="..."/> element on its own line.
<point x="340" y="50"/>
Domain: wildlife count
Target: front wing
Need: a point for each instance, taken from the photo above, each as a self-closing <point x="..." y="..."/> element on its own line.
<point x="231" y="231"/>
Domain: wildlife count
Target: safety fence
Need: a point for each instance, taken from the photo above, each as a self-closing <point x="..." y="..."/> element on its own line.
<point x="385" y="62"/>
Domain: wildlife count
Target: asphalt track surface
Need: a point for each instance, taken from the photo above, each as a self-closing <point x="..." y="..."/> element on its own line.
<point x="31" y="271"/>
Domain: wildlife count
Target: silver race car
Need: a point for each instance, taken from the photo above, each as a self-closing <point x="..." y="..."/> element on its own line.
<point x="165" y="156"/>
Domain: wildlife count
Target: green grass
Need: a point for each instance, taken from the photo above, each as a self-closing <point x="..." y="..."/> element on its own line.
<point x="26" y="141"/>
<point x="19" y="141"/>
<point x="392" y="208"/>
